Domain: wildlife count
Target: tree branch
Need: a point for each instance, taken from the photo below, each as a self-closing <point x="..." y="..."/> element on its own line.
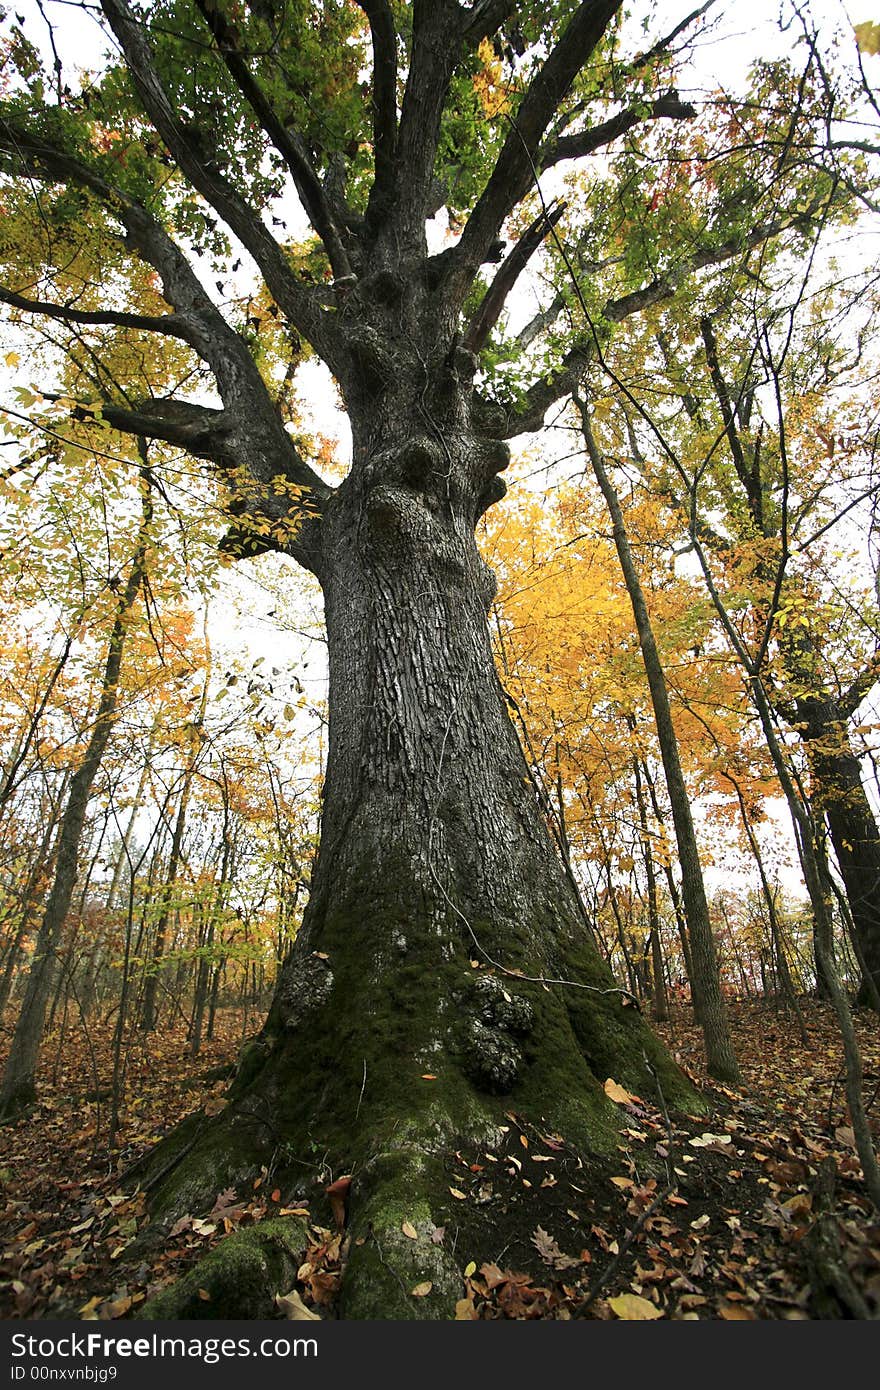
<point x="197" y="429"/>
<point x="288" y="144"/>
<point x="493" y="301"/>
<point x="186" y="146"/>
<point x="256" y="440"/>
<point x="514" y="169"/>
<point x="263" y="506"/>
<point x="664" y="286"/>
<point x="147" y="323"/>
<point x="435" y="39"/>
<point x="540" y="322"/>
<point x="529" y="413"/>
<point x="484" y="18"/>
<point x="861" y="687"/>
<point x="661" y="45"/>
<point x="586" y="142"/>
<point x="744" y="471"/>
<point x="384" y="41"/>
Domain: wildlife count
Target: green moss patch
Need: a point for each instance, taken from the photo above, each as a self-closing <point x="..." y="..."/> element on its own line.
<point x="239" y="1278"/>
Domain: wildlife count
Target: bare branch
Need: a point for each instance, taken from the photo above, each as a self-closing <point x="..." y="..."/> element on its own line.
<point x="384" y="41"/>
<point x="515" y="263"/>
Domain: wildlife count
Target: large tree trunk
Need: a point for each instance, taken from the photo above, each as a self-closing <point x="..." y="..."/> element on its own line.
<point x="442" y="977"/>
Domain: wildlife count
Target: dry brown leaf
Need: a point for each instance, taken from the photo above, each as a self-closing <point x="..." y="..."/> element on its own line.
<point x="422" y="1290"/>
<point x="550" y="1252"/>
<point x="492" y="1275"/>
<point x="409" y="1230"/>
<point x="118" y="1308"/>
<point x="338" y="1194"/>
<point x="292" y="1306"/>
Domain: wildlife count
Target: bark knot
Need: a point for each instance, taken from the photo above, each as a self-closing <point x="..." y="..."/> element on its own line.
<point x="304" y="986"/>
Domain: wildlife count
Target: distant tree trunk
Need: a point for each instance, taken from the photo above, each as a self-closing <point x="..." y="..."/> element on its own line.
<point x="782" y="967"/>
<point x="705" y="980"/>
<point x="207" y="971"/>
<point x="674" y="896"/>
<point x="149" y="1004"/>
<point x="40" y="868"/>
<point x="659" y="1000"/>
<point x="19" y="1079"/>
<point x="840" y="794"/>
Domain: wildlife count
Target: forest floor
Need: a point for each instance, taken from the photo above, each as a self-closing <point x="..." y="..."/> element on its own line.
<point x="761" y="1213"/>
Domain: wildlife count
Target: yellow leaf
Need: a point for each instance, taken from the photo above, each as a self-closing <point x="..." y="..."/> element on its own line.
<point x="409" y="1230"/>
<point x="12" y="359"/>
<point x="470" y="1269"/>
<point x="617" y="1093"/>
<point x="631" y="1308"/>
<point x="422" y="1290"/>
<point x="459" y="1195"/>
<point x="868" y="36"/>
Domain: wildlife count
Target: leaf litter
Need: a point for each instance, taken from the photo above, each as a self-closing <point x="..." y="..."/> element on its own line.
<point x="691" y="1221"/>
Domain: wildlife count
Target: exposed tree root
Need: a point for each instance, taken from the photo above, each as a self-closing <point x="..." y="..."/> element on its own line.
<point x="239" y="1278"/>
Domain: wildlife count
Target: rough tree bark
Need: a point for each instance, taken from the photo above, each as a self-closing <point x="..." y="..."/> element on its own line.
<point x="852" y="826"/>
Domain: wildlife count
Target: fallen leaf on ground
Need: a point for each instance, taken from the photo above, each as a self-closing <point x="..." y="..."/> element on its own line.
<point x="292" y="1307"/>
<point x="617" y="1093"/>
<point x="631" y="1307"/>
